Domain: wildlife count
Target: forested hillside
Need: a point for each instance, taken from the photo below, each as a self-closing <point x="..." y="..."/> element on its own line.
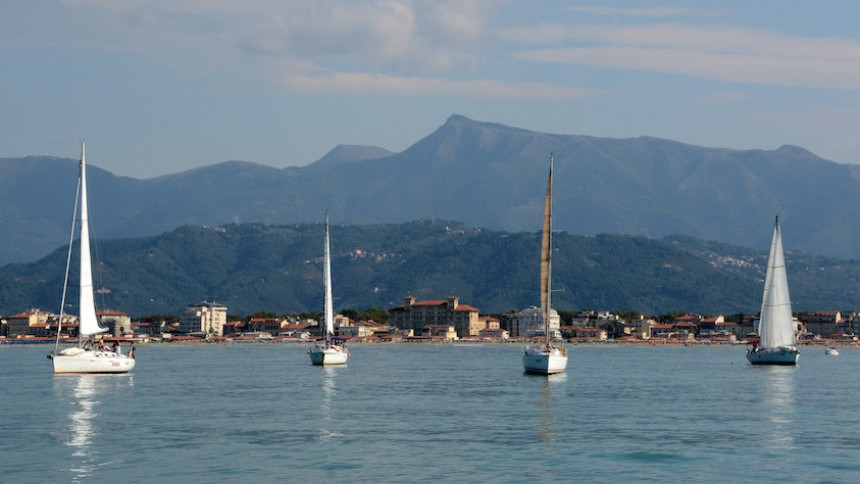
<point x="255" y="267"/>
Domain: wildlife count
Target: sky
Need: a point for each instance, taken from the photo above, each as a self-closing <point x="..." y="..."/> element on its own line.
<point x="164" y="86"/>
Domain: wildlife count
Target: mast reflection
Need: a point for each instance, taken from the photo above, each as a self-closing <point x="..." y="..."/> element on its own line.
<point x="547" y="431"/>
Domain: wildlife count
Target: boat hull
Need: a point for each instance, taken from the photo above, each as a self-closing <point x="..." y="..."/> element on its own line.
<point x="775" y="356"/>
<point x="540" y="361"/>
<point x="88" y="361"/>
<point x="332" y="355"/>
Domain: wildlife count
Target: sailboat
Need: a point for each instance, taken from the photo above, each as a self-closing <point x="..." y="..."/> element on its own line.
<point x="546" y="359"/>
<point x="86" y="357"/>
<point x="328" y="350"/>
<point x="777" y="345"/>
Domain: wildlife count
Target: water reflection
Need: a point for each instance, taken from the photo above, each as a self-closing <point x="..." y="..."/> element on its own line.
<point x="329" y="392"/>
<point x="547" y="431"/>
<point x="82" y="395"/>
<point x="779" y="407"/>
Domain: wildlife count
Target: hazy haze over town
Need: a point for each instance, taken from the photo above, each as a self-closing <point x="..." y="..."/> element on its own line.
<point x="164" y="86"/>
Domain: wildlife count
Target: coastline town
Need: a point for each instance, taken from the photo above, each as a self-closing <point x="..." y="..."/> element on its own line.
<point x="445" y="320"/>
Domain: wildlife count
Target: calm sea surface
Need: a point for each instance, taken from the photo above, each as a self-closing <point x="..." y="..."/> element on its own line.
<point x="428" y="413"/>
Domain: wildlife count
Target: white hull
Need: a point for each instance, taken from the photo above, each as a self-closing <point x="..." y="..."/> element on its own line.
<point x="831" y="352"/>
<point x="539" y="361"/>
<point x="75" y="360"/>
<point x="774" y="356"/>
<point x="331" y="355"/>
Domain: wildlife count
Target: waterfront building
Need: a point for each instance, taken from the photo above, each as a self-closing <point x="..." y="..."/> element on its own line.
<point x="531" y="322"/>
<point x="341" y="321"/>
<point x="265" y="325"/>
<point x="510" y="323"/>
<point x="642" y="327"/>
<point x="494" y="333"/>
<point x="152" y="328"/>
<point x="444" y="332"/>
<point x="824" y="323"/>
<point x="295" y="330"/>
<point x="745" y="326"/>
<point x="117" y="322"/>
<point x="852" y="323"/>
<point x="708" y="326"/>
<point x="360" y="329"/>
<point x="415" y="315"/>
<point x="662" y="331"/>
<point x="203" y="317"/>
<point x="33" y="322"/>
<point x="234" y="327"/>
<point x="685" y="328"/>
<point x="488" y="322"/>
<point x="586" y="332"/>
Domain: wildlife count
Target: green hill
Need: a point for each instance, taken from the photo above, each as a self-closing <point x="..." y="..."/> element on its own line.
<point x="255" y="267"/>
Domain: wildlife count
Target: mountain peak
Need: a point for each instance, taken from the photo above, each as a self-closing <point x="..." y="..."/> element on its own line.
<point x="343" y="154"/>
<point x="795" y="150"/>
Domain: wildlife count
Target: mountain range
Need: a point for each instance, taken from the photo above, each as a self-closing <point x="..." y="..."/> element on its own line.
<point x="482" y="174"/>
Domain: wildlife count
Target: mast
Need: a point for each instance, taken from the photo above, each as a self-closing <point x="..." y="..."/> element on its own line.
<point x="328" y="309"/>
<point x="69" y="260"/>
<point x="546" y="257"/>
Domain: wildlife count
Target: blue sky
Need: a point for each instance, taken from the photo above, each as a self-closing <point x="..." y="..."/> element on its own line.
<point x="164" y="86"/>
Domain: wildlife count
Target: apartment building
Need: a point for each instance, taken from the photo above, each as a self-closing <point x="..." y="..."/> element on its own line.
<point x="203" y="317"/>
<point x="415" y="315"/>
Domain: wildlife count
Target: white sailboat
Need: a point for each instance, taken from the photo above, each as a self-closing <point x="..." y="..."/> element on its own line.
<point x="546" y="359"/>
<point x="777" y="345"/>
<point x="328" y="351"/>
<point x="84" y="358"/>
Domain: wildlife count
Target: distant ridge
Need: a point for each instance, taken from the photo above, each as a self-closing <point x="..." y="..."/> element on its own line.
<point x="480" y="173"/>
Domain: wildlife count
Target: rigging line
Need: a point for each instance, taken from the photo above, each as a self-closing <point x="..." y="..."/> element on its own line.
<point x="68" y="264"/>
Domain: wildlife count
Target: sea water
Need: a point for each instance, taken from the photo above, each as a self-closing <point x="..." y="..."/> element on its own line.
<point x="431" y="413"/>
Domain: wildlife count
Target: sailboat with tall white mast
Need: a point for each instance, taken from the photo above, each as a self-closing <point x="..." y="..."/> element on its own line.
<point x="85" y="357"/>
<point x="546" y="359"/>
<point x="777" y="345"/>
<point x="328" y="350"/>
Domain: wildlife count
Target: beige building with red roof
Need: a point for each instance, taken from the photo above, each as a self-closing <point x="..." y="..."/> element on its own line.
<point x="33" y="322"/>
<point x="416" y="315"/>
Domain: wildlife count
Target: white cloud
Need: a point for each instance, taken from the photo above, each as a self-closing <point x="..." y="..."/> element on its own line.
<point x="366" y="83"/>
<point x="647" y="12"/>
<point x="414" y="35"/>
<point x="713" y="52"/>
